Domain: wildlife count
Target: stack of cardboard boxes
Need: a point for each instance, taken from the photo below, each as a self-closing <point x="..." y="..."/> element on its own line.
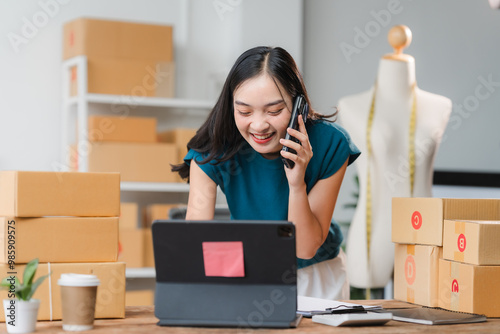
<point x="69" y="221"/>
<point x="123" y="58"/>
<point x="442" y="260"/>
<point x="136" y="243"/>
<point x="132" y="147"/>
<point x="128" y="145"/>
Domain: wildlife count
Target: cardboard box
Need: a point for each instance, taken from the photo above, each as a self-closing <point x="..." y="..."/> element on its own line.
<point x="416" y="274"/>
<point x="149" y="257"/>
<point x="110" y="301"/>
<point x="122" y="129"/>
<point x="132" y="248"/>
<point x="180" y="137"/>
<point x="154" y="212"/>
<point x="139" y="298"/>
<point x="469" y="288"/>
<point x="420" y="220"/>
<point x="129" y="216"/>
<point x="58" y="239"/>
<point x="127" y="77"/>
<point x="135" y="162"/>
<point x="37" y="194"/>
<point x="475" y="242"/>
<point x="97" y="38"/>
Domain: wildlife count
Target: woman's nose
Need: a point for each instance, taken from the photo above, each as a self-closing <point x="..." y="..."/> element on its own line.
<point x="260" y="124"/>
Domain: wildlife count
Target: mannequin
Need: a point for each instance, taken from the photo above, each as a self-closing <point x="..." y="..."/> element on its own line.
<point x="393" y="137"/>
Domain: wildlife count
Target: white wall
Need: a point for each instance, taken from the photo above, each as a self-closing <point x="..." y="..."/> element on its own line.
<point x="208" y="36"/>
<point x="455" y="44"/>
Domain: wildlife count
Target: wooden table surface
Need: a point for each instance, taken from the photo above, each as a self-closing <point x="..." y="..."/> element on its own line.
<point x="141" y="319"/>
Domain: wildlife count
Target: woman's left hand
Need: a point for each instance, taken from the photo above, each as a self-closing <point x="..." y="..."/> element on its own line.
<point x="301" y="159"/>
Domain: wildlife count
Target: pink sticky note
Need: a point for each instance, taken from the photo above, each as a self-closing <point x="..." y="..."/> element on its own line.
<point x="223" y="258"/>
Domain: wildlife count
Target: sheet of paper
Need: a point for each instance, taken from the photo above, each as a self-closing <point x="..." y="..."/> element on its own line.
<point x="223" y="258"/>
<point x="308" y="304"/>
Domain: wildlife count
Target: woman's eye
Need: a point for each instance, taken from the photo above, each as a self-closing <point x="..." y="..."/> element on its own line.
<point x="275" y="112"/>
<point x="244" y="113"/>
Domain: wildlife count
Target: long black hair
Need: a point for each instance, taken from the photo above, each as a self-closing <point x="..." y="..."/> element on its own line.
<point x="219" y="138"/>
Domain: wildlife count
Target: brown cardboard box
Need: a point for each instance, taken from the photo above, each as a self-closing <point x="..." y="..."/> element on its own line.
<point x="122" y="129"/>
<point x="134" y="161"/>
<point x="139" y="298"/>
<point x="420" y="220"/>
<point x="149" y="257"/>
<point x="127" y="77"/>
<point x="469" y="288"/>
<point x="132" y="248"/>
<point x="59" y="239"/>
<point x="475" y="242"/>
<point x="416" y="269"/>
<point x="153" y="212"/>
<point x="178" y="136"/>
<point x="37" y="194"/>
<point x="117" y="39"/>
<point x="129" y="215"/>
<point x="110" y="301"/>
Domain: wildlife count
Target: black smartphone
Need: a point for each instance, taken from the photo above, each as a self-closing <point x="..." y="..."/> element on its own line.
<point x="300" y="107"/>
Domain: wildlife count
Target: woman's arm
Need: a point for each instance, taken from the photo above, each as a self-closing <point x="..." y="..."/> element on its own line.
<point x="202" y="194"/>
<point x="312" y="214"/>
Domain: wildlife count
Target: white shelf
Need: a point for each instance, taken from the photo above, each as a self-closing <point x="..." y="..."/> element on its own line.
<point x="154" y="187"/>
<point x="161" y="102"/>
<point x="148" y="272"/>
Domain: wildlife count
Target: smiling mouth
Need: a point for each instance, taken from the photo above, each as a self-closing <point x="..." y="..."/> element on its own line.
<point x="263" y="137"/>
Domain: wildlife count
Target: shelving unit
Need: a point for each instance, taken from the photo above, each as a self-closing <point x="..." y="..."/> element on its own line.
<point x="75" y="113"/>
<point x="82" y="103"/>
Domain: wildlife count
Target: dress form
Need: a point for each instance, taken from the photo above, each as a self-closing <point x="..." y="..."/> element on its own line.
<point x="388" y="161"/>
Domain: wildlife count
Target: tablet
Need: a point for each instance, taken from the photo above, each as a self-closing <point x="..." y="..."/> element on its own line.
<point x="225" y="273"/>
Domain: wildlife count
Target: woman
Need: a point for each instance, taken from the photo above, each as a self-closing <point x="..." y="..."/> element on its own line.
<point x="239" y="147"/>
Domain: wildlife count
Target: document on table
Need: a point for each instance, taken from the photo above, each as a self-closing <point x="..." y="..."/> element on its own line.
<point x="309" y="306"/>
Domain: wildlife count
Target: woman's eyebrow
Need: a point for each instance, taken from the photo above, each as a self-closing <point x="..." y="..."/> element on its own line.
<point x="273" y="103"/>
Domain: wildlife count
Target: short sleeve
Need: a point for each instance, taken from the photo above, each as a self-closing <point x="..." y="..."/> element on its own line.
<point x="208" y="167"/>
<point x="332" y="146"/>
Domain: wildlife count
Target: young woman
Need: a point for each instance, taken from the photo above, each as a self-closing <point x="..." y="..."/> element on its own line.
<point x="239" y="147"/>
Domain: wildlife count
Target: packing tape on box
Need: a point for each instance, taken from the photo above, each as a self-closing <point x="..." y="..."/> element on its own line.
<point x="458" y="256"/>
<point x="459" y="231"/>
<point x="459" y="227"/>
<point x="50" y="290"/>
<point x="410" y="295"/>
<point x="455" y="288"/>
<point x="410" y="250"/>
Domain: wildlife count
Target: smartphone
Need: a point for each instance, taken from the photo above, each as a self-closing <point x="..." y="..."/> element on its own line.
<point x="300" y="108"/>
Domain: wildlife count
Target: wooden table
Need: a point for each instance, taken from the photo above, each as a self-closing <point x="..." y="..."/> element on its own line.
<point x="141" y="319"/>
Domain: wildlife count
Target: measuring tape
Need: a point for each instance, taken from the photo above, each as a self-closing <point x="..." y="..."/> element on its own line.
<point x="411" y="158"/>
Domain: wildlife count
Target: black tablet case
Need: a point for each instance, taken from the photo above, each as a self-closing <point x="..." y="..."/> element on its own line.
<point x="265" y="297"/>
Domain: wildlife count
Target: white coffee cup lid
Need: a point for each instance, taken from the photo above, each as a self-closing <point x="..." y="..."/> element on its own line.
<point x="78" y="280"/>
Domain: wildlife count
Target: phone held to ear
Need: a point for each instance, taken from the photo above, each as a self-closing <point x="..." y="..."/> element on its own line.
<point x="300" y="107"/>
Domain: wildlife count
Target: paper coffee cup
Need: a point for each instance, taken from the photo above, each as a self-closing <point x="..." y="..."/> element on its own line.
<point x="78" y="297"/>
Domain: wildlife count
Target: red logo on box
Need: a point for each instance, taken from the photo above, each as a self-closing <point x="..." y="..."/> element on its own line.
<point x="462" y="242"/>
<point x="454" y="286"/>
<point x="410" y="270"/>
<point x="416" y="220"/>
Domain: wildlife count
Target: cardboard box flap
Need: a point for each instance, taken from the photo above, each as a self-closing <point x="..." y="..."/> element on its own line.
<point x="59" y="239"/>
<point x="67" y="195"/>
<point x="7" y="189"/>
<point x="479" y="209"/>
<point x="110" y="301"/>
<point x="117" y="39"/>
<point x="413" y="218"/>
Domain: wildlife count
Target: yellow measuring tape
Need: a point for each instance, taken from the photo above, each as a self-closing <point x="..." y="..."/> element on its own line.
<point x="411" y="158"/>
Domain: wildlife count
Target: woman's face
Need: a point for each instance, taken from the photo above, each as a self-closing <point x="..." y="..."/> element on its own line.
<point x="262" y="114"/>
